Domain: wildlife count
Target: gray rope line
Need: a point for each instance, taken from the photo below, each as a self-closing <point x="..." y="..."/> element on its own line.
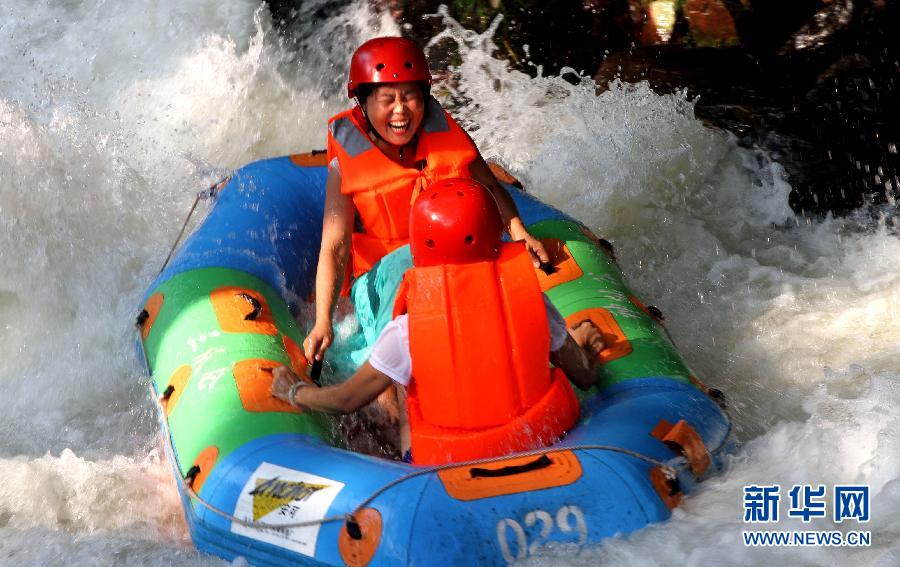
<point x="669" y="471"/>
<point x="261" y="525"/>
<point x="187" y="486"/>
<point x="211" y="192"/>
<point x="181" y="233"/>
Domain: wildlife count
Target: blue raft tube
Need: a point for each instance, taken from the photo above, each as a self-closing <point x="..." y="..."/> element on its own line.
<point x="264" y="481"/>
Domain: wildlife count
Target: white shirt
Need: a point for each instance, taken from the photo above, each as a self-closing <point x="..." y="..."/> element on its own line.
<point x="390" y="354"/>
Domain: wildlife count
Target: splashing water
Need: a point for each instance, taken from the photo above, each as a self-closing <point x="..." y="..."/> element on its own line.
<point x="112" y="118"/>
<point x="796" y="319"/>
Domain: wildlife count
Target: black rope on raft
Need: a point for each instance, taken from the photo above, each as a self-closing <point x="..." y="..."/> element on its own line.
<point x="353" y="529"/>
<point x="541" y="462"/>
<point x="170" y="389"/>
<point x="719" y="397"/>
<point x="257" y="306"/>
<point x="608" y="246"/>
<point x="548" y="268"/>
<point x="315" y="373"/>
<point x="674" y="486"/>
<point x="191" y="476"/>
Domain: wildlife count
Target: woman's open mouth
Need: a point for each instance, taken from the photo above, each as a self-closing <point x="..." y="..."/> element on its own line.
<point x="399" y="126"/>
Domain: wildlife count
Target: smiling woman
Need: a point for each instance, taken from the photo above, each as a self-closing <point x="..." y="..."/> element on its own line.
<point x="382" y="153"/>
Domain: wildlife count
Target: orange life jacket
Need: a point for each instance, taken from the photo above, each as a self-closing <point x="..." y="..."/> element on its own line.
<point x="382" y="189"/>
<point x="479" y="342"/>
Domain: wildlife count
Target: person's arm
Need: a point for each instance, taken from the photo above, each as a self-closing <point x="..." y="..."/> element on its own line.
<point x="361" y="389"/>
<point x="514" y="225"/>
<point x="577" y="357"/>
<point x="337" y="226"/>
<point x="575" y="363"/>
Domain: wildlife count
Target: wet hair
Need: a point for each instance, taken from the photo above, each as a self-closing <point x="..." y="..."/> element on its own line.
<point x="363" y="91"/>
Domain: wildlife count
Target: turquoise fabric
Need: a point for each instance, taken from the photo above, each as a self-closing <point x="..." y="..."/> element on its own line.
<point x="373" y="296"/>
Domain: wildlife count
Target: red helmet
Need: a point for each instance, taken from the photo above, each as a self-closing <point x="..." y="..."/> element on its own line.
<point x="387" y="60"/>
<point x="455" y="221"/>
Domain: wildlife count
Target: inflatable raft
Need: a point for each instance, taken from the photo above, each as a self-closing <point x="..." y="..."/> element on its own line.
<point x="264" y="481"/>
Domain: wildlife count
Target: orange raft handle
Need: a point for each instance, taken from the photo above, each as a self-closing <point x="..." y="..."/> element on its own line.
<point x="359" y="538"/>
<point x="683" y="439"/>
<point x="314" y="158"/>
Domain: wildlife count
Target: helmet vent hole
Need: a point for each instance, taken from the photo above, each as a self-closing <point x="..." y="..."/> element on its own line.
<point x="470" y="239"/>
<point x="434" y="195"/>
<point x="407" y="64"/>
<point x="379" y="67"/>
<point x="429" y="243"/>
<point x="460" y="193"/>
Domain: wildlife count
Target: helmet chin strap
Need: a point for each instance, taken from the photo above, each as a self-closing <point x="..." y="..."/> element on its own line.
<point x="372" y="129"/>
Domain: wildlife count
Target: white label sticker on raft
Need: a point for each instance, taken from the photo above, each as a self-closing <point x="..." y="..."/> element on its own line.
<point x="276" y="495"/>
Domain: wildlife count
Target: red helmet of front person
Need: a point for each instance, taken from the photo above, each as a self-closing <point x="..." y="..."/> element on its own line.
<point x="387" y="60"/>
<point x="455" y="221"/>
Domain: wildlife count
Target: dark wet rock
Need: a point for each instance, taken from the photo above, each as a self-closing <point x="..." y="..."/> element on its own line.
<point x="818" y="101"/>
<point x="702" y="23"/>
<point x="842" y="70"/>
<point x="289" y="13"/>
<point x="710" y="22"/>
<point x="553" y="35"/>
<point x="764" y="26"/>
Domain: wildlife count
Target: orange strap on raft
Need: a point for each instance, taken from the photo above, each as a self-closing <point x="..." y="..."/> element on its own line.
<point x="480" y="347"/>
<point x="382" y="189"/>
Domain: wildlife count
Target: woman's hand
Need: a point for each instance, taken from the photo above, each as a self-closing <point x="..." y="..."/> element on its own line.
<point x="482" y="173"/>
<point x="282" y="380"/>
<point x="535" y="247"/>
<point x="317" y="341"/>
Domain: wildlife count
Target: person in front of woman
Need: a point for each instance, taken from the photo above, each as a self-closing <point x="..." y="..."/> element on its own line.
<point x="471" y="342"/>
<point x="395" y="142"/>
